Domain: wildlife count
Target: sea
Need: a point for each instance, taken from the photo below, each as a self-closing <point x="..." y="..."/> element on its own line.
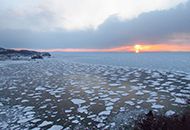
<point x="73" y="91"/>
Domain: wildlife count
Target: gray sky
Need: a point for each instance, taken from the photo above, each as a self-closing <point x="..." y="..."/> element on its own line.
<point x="44" y="24"/>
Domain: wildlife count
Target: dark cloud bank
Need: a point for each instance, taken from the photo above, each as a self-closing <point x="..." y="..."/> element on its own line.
<point x="152" y="27"/>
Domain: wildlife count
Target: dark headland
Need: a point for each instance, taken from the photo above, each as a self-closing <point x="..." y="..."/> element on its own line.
<point x="11" y="54"/>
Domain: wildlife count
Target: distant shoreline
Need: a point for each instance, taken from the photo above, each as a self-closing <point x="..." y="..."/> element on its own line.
<point x="11" y="54"/>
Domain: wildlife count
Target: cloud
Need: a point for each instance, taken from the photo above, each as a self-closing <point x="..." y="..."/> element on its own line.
<point x="168" y="26"/>
<point x="156" y="27"/>
<point x="19" y="14"/>
<point x="74" y="14"/>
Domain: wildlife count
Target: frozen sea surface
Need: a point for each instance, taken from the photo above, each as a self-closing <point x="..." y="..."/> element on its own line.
<point x="164" y="61"/>
<point x="64" y="94"/>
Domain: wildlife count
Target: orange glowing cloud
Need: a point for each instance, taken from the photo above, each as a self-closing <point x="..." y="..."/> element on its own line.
<point x="115" y="49"/>
<point x="129" y="48"/>
<point x="162" y="48"/>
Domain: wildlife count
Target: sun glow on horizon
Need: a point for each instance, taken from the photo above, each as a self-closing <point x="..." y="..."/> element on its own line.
<point x="137" y="48"/>
<point x="126" y="48"/>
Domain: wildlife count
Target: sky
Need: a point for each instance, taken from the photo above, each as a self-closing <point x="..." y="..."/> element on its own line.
<point x="95" y="25"/>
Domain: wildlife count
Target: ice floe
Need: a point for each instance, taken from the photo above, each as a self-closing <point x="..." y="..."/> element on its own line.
<point x="45" y="123"/>
<point x="169" y="113"/>
<point x="78" y="101"/>
<point x="180" y="100"/>
<point x="56" y="127"/>
<point x="157" y="106"/>
<point x="107" y="112"/>
<point x="130" y="103"/>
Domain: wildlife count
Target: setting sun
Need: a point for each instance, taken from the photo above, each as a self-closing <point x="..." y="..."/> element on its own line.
<point x="137" y="48"/>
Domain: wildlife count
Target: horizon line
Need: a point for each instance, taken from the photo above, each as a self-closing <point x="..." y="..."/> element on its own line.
<point x="138" y="48"/>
